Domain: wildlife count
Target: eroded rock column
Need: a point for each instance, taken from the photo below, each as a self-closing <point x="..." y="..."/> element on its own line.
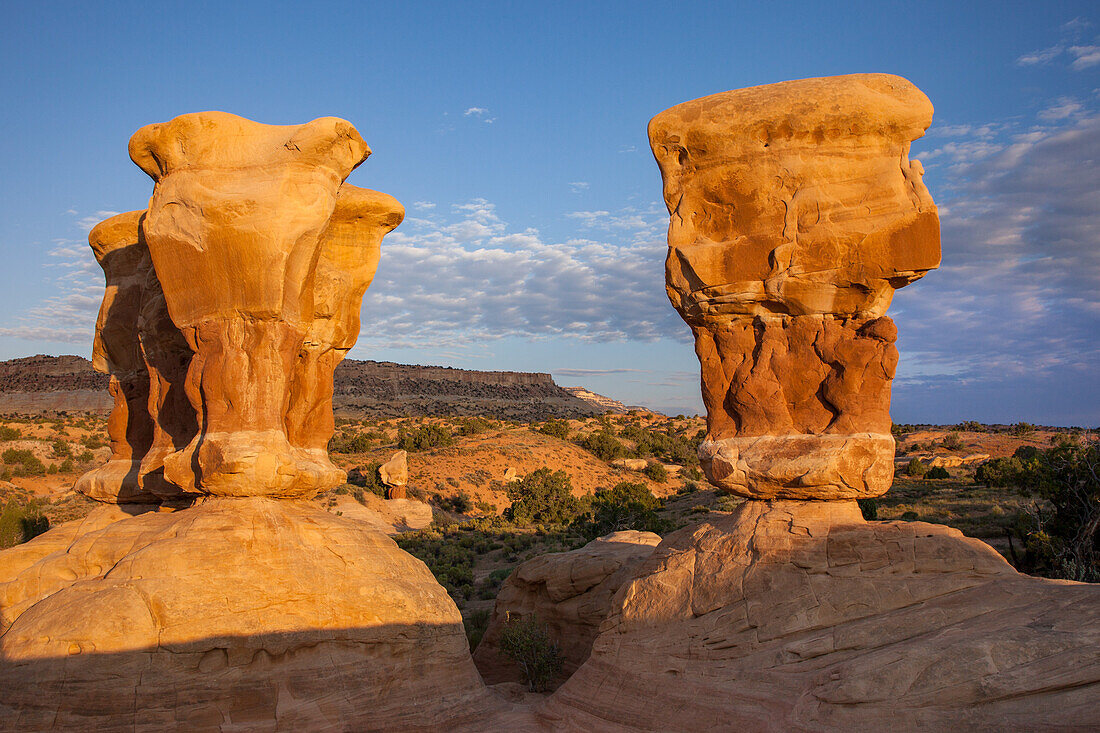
<point x="795" y="214"/>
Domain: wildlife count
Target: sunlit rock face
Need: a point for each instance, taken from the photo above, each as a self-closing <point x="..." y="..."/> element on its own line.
<point x="795" y="214"/>
<point x="229" y="303"/>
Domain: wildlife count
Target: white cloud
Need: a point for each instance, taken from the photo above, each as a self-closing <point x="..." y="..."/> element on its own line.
<point x="86" y="223"/>
<point x="1060" y="110"/>
<point x="423" y="205"/>
<point x="1043" y="56"/>
<point x="480" y="113"/>
<point x="1084" y="57"/>
<point x="471" y="277"/>
<point x="578" y="186"/>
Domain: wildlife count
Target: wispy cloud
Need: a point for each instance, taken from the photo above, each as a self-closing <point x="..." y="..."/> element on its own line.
<point x="480" y="113"/>
<point x="578" y="186"/>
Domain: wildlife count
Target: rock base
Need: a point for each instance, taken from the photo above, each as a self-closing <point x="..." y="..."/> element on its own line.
<point x="801" y="467"/>
<point x="246" y="614"/>
<point x="800" y="616"/>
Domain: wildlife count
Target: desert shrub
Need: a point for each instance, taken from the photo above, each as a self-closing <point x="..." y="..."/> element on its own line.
<point x="476" y="624"/>
<point x="459" y="503"/>
<point x="603" y="445"/>
<point x="1060" y="531"/>
<point x="86" y="457"/>
<point x="1022" y="428"/>
<point x="473" y="426"/>
<point x="367" y="477"/>
<point x="353" y="442"/>
<point x="937" y="472"/>
<point x="901" y="428"/>
<point x="424" y="438"/>
<point x="656" y="472"/>
<point x="1000" y="472"/>
<point x="61" y="449"/>
<point x="909" y="516"/>
<point x="952" y="441"/>
<point x="663" y="445"/>
<point x="21" y="522"/>
<point x="692" y="473"/>
<point x="916" y="468"/>
<point x="66" y="466"/>
<point x="869" y="508"/>
<point x="555" y="429"/>
<point x="542" y="497"/>
<point x="527" y="642"/>
<point x="24" y="462"/>
<point x="9" y="433"/>
<point x="624" y="506"/>
<point x="699" y="509"/>
<point x="92" y="441"/>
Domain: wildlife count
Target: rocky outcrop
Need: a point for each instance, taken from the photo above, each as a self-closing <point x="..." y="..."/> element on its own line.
<point x="237" y="613"/>
<point x="394" y="474"/>
<point x="802" y="616"/>
<point x="795" y="214"/>
<point x="570" y="592"/>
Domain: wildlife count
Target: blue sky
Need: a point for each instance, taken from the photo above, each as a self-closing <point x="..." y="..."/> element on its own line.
<point x="514" y="133"/>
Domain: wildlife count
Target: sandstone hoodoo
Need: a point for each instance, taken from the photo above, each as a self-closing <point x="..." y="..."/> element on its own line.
<point x="229" y="302"/>
<point x="795" y="214"/>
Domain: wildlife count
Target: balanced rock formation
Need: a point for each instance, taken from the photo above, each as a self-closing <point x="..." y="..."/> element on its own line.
<point x="243" y="614"/>
<point x="569" y="592"/>
<point x="795" y="214"/>
<point x="394" y="473"/>
<point x="798" y="616"/>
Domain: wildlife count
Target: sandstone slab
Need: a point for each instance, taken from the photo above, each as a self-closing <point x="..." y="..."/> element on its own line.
<point x="799" y="616"/>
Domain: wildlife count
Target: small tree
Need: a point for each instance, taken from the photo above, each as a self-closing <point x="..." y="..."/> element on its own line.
<point x="916" y="468"/>
<point x="528" y="643"/>
<point x="542" y="497"/>
<point x="624" y="506"/>
<point x="555" y="429"/>
<point x="937" y="472"/>
<point x="656" y="472"/>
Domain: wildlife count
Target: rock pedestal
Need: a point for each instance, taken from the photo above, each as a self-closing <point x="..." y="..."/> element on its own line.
<point x="795" y="214"/>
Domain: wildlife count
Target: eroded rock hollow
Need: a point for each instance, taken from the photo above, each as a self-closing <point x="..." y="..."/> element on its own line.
<point x="795" y="214"/>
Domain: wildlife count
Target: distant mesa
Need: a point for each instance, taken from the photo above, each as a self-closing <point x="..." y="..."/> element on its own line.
<point x="40" y="384"/>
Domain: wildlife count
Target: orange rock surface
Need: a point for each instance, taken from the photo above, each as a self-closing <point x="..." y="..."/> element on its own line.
<point x="795" y="214"/>
<point x="238" y="613"/>
<point x="229" y="303"/>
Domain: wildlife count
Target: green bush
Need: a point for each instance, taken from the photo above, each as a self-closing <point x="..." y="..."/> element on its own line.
<point x="10" y="433"/>
<point x="24" y="461"/>
<point x="692" y="474"/>
<point x="542" y="497"/>
<point x="424" y="438"/>
<point x="355" y="442"/>
<point x="555" y="429"/>
<point x="476" y="624"/>
<point x="952" y="441"/>
<point x="21" y="522"/>
<point x="869" y="508"/>
<point x="625" y="506"/>
<point x="473" y="425"/>
<point x="86" y="457"/>
<point x="367" y="477"/>
<point x="527" y="642"/>
<point x="603" y="445"/>
<point x="92" y="441"/>
<point x="937" y="472"/>
<point x="61" y="449"/>
<point x="916" y="468"/>
<point x="656" y="472"/>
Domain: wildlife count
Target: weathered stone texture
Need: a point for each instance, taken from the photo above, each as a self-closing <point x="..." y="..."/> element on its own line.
<point x="795" y="214"/>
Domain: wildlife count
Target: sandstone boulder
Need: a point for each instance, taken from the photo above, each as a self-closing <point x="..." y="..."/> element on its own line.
<point x="570" y="592"/>
<point x="234" y="614"/>
<point x="631" y="464"/>
<point x="395" y="472"/>
<point x="795" y="214"/>
<point x="794" y="616"/>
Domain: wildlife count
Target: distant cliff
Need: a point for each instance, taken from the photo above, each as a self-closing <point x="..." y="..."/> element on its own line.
<point x="36" y="384"/>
